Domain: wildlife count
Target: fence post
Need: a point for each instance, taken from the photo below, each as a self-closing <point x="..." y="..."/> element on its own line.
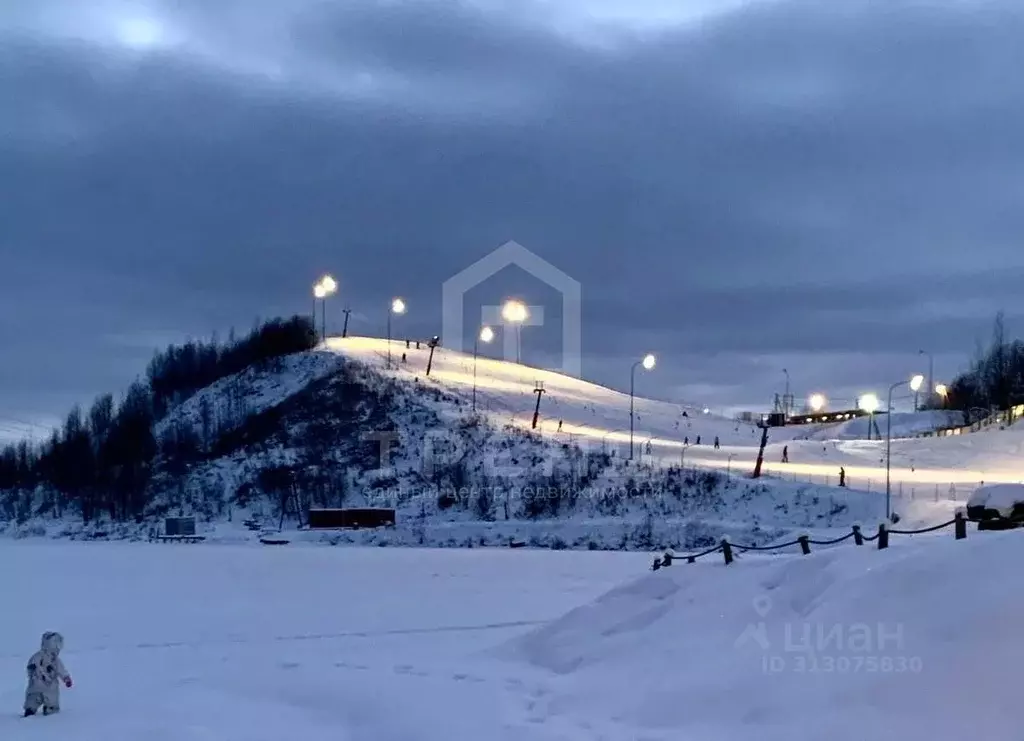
<point x="883" y="537"/>
<point x="960" y="526"/>
<point x="727" y="551"/>
<point x="858" y="536"/>
<point x="691" y="559"/>
<point x="805" y="546"/>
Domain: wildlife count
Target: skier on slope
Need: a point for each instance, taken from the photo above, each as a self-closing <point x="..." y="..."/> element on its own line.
<point x="45" y="673"/>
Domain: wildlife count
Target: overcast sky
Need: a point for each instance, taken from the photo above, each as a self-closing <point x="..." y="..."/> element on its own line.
<point x="740" y="187"/>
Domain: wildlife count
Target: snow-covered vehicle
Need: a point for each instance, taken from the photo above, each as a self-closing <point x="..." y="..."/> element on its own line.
<point x="997" y="506"/>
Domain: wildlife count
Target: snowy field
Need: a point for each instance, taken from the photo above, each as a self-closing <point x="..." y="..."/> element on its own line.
<point x="205" y="643"/>
<point x="223" y="643"/>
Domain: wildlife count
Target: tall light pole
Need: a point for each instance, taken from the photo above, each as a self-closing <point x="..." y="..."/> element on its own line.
<point x="647" y="362"/>
<point x="869" y="403"/>
<point x="486" y="335"/>
<point x="319" y="294"/>
<point x="915" y="385"/>
<point x="931" y="379"/>
<point x="397" y="307"/>
<point x="785" y="398"/>
<point x="515" y="312"/>
<point x="327" y="286"/>
<point x="943" y="391"/>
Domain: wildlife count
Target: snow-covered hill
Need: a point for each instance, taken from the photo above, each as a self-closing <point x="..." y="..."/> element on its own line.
<point x="335" y="427"/>
<point x="598" y="417"/>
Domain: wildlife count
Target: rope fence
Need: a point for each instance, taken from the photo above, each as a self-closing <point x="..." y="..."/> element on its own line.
<point x="727" y="549"/>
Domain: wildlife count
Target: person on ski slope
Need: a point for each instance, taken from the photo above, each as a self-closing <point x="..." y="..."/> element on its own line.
<point x="46" y="672"/>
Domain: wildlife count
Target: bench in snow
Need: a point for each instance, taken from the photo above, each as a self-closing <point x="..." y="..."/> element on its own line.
<point x="181" y="538"/>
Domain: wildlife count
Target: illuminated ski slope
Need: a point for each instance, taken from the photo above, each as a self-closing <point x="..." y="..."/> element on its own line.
<point x="506" y="391"/>
<point x="598" y="416"/>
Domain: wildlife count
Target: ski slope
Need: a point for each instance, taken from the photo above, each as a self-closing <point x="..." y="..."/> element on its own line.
<point x="250" y="643"/>
<point x="599" y="416"/>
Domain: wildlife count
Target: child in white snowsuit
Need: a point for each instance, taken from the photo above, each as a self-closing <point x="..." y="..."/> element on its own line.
<point x="45" y="673"/>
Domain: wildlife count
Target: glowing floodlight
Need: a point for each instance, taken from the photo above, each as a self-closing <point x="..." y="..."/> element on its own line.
<point x="869" y="403"/>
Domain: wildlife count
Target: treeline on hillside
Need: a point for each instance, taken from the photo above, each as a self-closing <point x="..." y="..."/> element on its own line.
<point x="995" y="378"/>
<point x="101" y="461"/>
<point x="181" y="370"/>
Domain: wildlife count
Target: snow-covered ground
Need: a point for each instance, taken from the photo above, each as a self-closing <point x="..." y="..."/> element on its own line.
<point x="849" y="644"/>
<point x="596" y="416"/>
<point x="241" y="643"/>
<point x="903" y="424"/>
<point x="237" y="643"/>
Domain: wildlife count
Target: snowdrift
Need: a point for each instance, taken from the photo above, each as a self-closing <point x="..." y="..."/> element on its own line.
<point x="919" y="641"/>
<point x="1003" y="498"/>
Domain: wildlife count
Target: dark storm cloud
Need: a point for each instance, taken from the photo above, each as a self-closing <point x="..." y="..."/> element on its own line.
<point x="792" y="181"/>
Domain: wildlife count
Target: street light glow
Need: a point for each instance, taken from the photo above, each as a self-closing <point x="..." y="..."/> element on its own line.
<point x="329" y="285"/>
<point x="817" y="402"/>
<point x="915" y="382"/>
<point x="514" y="312"/>
<point x="649" y="361"/>
<point x="941" y="390"/>
<point x="486" y="334"/>
<point x="398" y="306"/>
<point x="319" y="291"/>
<point x="869" y="403"/>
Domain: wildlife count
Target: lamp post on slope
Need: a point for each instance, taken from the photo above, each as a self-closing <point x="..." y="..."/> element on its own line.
<point x="326" y="286"/>
<point x="647" y="362"/>
<point x="515" y="313"/>
<point x="915" y="385"/>
<point x="931" y="381"/>
<point x="319" y="294"/>
<point x="869" y="403"/>
<point x="486" y="335"/>
<point x="397" y="307"/>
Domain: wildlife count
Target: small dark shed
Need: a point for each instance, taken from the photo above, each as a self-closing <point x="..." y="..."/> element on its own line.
<point x="180" y="526"/>
<point x="366" y="517"/>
